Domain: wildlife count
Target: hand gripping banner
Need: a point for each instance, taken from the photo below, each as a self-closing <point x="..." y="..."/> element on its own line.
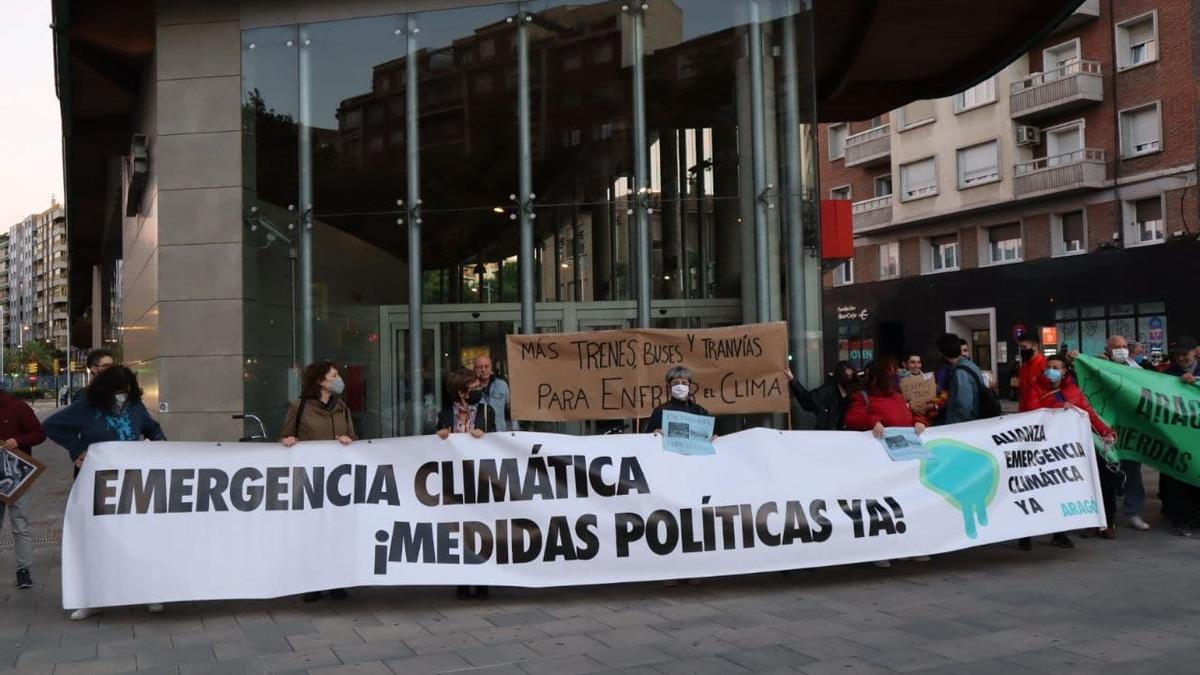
<point x="161" y="522"/>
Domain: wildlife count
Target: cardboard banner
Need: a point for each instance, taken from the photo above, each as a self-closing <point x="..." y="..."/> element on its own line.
<point x="164" y="522"/>
<point x="1156" y="416"/>
<point x="919" y="388"/>
<point x="618" y="374"/>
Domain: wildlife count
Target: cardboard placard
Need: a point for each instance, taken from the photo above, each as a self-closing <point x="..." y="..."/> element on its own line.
<point x="919" y="388"/>
<point x="18" y="471"/>
<point x="619" y="374"/>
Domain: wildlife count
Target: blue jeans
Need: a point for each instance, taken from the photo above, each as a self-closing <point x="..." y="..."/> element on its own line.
<point x="1135" y="491"/>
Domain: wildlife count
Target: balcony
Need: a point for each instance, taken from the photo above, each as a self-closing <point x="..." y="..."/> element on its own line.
<point x="1079" y="170"/>
<point x="870" y="147"/>
<point x="872" y="213"/>
<point x="1088" y="11"/>
<point x="1057" y="91"/>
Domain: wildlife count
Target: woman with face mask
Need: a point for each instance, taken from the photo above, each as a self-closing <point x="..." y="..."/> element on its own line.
<point x="466" y="414"/>
<point x="320" y="415"/>
<point x="110" y="410"/>
<point x="1059" y="390"/>
<point x="681" y="387"/>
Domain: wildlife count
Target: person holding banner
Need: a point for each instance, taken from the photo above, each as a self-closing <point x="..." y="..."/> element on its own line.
<point x="828" y="402"/>
<point x="681" y="385"/>
<point x="1060" y="390"/>
<point x="466" y="414"/>
<point x="1180" y="499"/>
<point x="110" y="410"/>
<point x="1116" y="349"/>
<point x="880" y="404"/>
<point x="319" y="415"/>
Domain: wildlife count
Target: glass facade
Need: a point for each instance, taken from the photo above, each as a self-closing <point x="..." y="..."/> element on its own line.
<point x="656" y="161"/>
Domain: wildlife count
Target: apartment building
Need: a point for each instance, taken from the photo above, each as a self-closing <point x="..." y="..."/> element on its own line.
<point x="35" y="280"/>
<point x="1057" y="197"/>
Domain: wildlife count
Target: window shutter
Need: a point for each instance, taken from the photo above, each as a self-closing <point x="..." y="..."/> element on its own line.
<point x="1148" y="210"/>
<point x="918" y="176"/>
<point x="1142" y="31"/>
<point x="1072" y="226"/>
<point x="917" y="111"/>
<point x="1004" y="232"/>
<point x="977" y="163"/>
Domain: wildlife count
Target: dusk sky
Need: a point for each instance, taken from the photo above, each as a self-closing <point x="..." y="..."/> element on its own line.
<point x="30" y="135"/>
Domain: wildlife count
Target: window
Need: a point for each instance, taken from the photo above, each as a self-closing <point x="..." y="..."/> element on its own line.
<point x="915" y="113"/>
<point x="918" y="179"/>
<point x="842" y="192"/>
<point x="1145" y="218"/>
<point x="875" y="122"/>
<point x="978" y="164"/>
<point x="843" y="275"/>
<point x="1061" y="61"/>
<point x="943" y="253"/>
<point x="837" y="141"/>
<point x="981" y="94"/>
<point x="889" y="260"/>
<point x="1070" y="235"/>
<point x="1137" y="41"/>
<point x="1062" y="144"/>
<point x="883" y="185"/>
<point x="1141" y="130"/>
<point x="1004" y="243"/>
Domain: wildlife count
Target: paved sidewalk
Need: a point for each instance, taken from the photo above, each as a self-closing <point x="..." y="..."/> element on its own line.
<point x="1124" y="606"/>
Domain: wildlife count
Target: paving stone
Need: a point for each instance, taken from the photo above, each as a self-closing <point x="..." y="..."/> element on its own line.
<point x="628" y="657"/>
<point x="497" y="636"/>
<point x="765" y="658"/>
<point x="705" y="665"/>
<point x="365" y="668"/>
<point x="116" y="664"/>
<point x="282" y="663"/>
<point x="574" y="664"/>
<point x="846" y="666"/>
<point x="491" y="655"/>
<point x="372" y="651"/>
<point x="174" y="657"/>
<point x="428" y="663"/>
<point x="428" y="644"/>
<point x="566" y="644"/>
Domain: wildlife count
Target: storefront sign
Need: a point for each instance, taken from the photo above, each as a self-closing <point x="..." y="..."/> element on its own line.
<point x="621" y="373"/>
<point x="1156" y="416"/>
<point x="852" y="313"/>
<point x="167" y="522"/>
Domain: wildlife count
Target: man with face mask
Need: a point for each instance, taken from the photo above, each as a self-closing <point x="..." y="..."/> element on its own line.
<point x="1117" y="351"/>
<point x="1033" y="365"/>
<point x="681" y="387"/>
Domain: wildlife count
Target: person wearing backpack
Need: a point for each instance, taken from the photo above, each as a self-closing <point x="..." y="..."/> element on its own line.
<point x="968" y="398"/>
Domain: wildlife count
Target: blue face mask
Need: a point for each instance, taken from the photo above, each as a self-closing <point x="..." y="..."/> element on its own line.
<point x="1054" y="375"/>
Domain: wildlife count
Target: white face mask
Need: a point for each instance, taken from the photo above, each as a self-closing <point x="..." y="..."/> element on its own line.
<point x="337" y="386"/>
<point x="681" y="391"/>
<point x="1120" y="355"/>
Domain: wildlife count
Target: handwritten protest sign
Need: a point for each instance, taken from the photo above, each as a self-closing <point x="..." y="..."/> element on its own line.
<point x="919" y="388"/>
<point x="620" y="373"/>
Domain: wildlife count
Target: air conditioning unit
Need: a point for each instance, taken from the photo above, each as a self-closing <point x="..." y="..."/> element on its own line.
<point x="1028" y="135"/>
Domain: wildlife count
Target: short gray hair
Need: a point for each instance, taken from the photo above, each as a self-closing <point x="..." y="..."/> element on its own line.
<point x="680" y="373"/>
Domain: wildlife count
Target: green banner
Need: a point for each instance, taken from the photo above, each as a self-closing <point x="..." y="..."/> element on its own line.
<point x="1156" y="416"/>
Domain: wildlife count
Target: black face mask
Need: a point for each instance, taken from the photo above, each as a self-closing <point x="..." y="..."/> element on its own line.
<point x="1026" y="354"/>
<point x="474" y="397"/>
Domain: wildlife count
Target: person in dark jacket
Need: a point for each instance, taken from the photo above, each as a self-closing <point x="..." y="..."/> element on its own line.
<point x="466" y="414"/>
<point x="111" y="409"/>
<point x="319" y="415"/>
<point x="1181" y="499"/>
<point x="681" y="386"/>
<point x="830" y="401"/>
<point x="20" y="430"/>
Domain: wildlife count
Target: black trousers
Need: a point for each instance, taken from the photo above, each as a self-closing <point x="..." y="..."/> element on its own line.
<point x="1110" y="484"/>
<point x="1179" y="500"/>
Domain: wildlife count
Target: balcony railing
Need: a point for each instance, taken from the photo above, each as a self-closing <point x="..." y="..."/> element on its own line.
<point x="1081" y="169"/>
<point x="873" y="146"/>
<point x="872" y="213"/>
<point x="1071" y="86"/>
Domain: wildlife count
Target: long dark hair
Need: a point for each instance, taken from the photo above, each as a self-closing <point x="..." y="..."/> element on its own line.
<point x="881" y="376"/>
<point x="102" y="392"/>
<point x="459" y="381"/>
<point x="310" y="380"/>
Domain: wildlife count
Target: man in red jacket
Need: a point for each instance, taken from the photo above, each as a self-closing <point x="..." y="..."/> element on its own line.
<point x="1033" y="364"/>
<point x="19" y="429"/>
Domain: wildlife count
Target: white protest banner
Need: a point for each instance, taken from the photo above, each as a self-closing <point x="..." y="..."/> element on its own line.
<point x="161" y="522"/>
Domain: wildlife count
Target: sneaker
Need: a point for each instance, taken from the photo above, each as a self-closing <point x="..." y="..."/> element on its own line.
<point x="23" y="579"/>
<point x="83" y="613"/>
<point x="1137" y="523"/>
<point x="882" y="564"/>
<point x="155" y="608"/>
<point x="1025" y="544"/>
<point x="1062" y="541"/>
<point x="1183" y="531"/>
<point x="1106" y="533"/>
